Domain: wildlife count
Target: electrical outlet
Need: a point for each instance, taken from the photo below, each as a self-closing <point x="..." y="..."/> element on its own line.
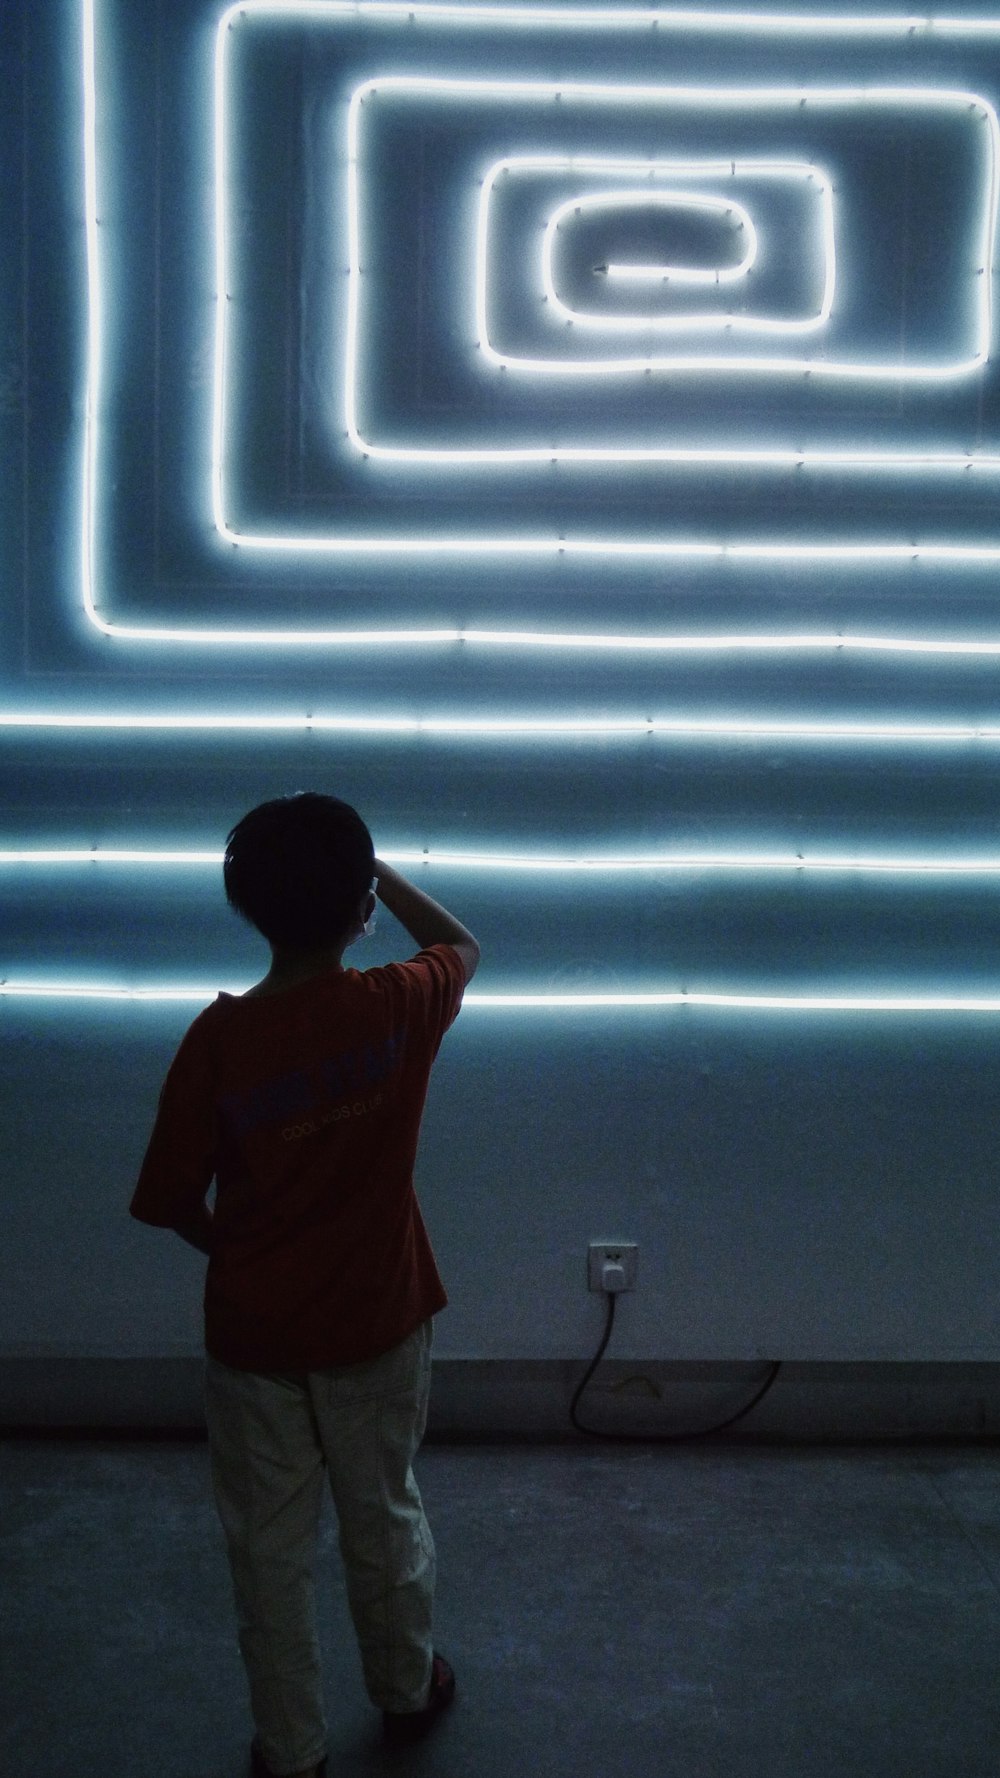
<point x="613" y="1253"/>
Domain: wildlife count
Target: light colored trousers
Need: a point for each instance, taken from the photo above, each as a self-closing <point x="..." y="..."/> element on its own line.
<point x="271" y="1440"/>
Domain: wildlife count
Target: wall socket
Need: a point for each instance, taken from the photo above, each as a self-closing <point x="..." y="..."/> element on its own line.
<point x="614" y="1253"/>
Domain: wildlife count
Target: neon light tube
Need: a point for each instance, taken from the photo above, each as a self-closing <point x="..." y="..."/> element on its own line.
<point x="14" y="990"/>
<point x="810" y="1002"/>
<point x="751" y="1002"/>
<point x="717" y="321"/>
<point x="106" y="855"/>
<point x="522" y="21"/>
<point x="701" y="98"/>
<point x="641" y="272"/>
<point x="782" y="862"/>
<point x="634" y="93"/>
<point x="553" y="729"/>
<point x="632" y="18"/>
<point x="657" y="273"/>
<point x="792" y="642"/>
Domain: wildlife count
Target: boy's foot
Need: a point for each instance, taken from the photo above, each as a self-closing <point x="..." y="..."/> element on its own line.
<point x="401" y="1728"/>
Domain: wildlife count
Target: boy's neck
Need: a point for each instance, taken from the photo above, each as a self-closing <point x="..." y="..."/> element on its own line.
<point x="289" y="968"/>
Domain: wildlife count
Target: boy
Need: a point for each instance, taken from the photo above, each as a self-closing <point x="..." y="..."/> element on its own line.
<point x="303" y="1098"/>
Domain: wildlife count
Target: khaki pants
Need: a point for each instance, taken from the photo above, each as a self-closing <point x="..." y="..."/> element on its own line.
<point x="271" y="1440"/>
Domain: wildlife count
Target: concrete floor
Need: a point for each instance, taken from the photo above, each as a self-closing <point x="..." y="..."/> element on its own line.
<point x="727" y="1612"/>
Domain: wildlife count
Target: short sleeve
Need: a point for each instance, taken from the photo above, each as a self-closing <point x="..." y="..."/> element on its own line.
<point x="434" y="983"/>
<point x="180" y="1158"/>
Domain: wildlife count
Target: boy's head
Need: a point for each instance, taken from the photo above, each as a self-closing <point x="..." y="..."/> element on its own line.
<point x="299" y="869"/>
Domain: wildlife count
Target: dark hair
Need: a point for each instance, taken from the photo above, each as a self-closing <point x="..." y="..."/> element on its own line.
<point x="297" y="869"/>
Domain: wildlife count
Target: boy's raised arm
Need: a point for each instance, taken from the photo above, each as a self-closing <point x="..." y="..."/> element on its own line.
<point x="425" y="920"/>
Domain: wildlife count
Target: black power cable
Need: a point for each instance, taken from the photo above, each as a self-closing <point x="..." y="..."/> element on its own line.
<point x="656" y="1438"/>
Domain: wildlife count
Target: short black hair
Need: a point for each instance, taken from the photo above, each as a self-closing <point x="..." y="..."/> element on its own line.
<point x="298" y="867"/>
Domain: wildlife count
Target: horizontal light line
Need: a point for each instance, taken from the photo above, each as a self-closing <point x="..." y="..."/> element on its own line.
<point x="693" y="456"/>
<point x="782" y="23"/>
<point x="788" y="642"/>
<point x="859" y="1003"/>
<point x="692" y="94"/>
<point x="735" y="728"/>
<point x="696" y="861"/>
<point x="652" y="549"/>
<point x="749" y="1002"/>
<point x="601" y="17"/>
<point x="100" y="992"/>
<point x="53" y="855"/>
<point x="568" y="640"/>
<point x="796" y="863"/>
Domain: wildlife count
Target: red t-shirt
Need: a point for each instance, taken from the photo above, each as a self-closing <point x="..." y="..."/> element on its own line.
<point x="306" y="1106"/>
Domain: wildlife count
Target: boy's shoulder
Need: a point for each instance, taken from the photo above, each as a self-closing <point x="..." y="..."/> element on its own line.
<point x="436" y="966"/>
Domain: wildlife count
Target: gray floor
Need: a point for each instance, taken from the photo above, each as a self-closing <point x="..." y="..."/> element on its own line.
<point x="726" y="1612"/>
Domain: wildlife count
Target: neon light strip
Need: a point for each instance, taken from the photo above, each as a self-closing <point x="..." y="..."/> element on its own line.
<point x="795" y="863"/>
<point x="790" y="643"/>
<point x="634" y="272"/>
<point x="95" y="322"/>
<point x="660" y="274"/>
<point x="55" y="855"/>
<point x="934" y="96"/>
<point x="553" y="728"/>
<point x="645" y="549"/>
<point x="636" y="199"/>
<point x="700" y="99"/>
<point x="611" y="19"/>
<point x="857" y="1003"/>
<point x="637" y="272"/>
<point x="630" y="18"/>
